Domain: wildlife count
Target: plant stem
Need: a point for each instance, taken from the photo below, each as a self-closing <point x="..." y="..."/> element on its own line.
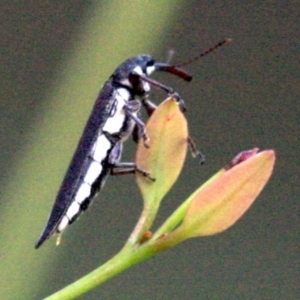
<point x="120" y="262"/>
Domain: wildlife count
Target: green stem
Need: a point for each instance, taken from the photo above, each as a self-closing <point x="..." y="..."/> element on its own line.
<point x="120" y="262"/>
<point x="127" y="257"/>
<point x="131" y="254"/>
<point x="144" y="223"/>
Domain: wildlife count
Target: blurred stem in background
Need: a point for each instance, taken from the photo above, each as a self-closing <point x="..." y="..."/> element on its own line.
<point x="110" y="32"/>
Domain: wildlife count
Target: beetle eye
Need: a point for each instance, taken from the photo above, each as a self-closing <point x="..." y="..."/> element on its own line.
<point x="150" y="63"/>
<point x="148" y="67"/>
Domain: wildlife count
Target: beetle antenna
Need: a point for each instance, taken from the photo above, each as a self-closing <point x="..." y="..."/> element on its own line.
<point x="204" y="53"/>
<point x="170" y="56"/>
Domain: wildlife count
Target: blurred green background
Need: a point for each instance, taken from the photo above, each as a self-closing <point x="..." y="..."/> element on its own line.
<point x="54" y="58"/>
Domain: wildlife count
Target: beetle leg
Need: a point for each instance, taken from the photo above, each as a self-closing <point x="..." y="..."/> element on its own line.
<point x="132" y="108"/>
<point x="150" y="107"/>
<point x="123" y="168"/>
<point x="195" y="151"/>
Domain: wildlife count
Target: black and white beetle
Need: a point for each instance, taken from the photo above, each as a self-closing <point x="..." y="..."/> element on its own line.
<point x="112" y="120"/>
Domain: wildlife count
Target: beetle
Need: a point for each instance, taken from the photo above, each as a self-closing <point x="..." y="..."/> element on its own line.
<point x="114" y="117"/>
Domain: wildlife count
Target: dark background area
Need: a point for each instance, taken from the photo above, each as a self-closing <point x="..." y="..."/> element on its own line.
<point x="244" y="95"/>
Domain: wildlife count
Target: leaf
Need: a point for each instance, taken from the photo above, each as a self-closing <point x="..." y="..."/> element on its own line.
<point x="221" y="203"/>
<point x="168" y="133"/>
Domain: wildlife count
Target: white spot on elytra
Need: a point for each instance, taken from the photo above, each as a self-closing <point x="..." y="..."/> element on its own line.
<point x="63" y="224"/>
<point x="83" y="192"/>
<point x="93" y="172"/>
<point x="101" y="146"/>
<point x="73" y="210"/>
<point x="115" y="122"/>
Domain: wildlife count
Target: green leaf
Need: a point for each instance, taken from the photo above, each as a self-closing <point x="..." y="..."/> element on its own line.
<point x="168" y="133"/>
